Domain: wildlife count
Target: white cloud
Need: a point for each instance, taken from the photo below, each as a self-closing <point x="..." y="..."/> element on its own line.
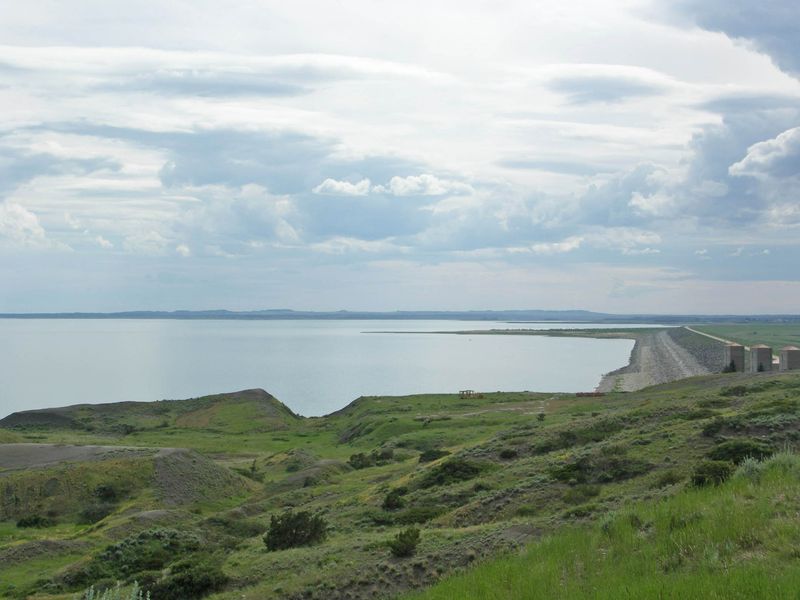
<point x="20" y="227"/>
<point x="103" y="242"/>
<point x="778" y="157"/>
<point x="333" y="187"/>
<point x="183" y="250"/>
<point x="567" y="245"/>
<point x="422" y="185"/>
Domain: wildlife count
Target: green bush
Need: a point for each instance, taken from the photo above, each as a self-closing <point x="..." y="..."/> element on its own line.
<point x="35" y="521"/>
<point x="451" y="471"/>
<point x="95" y="512"/>
<point x="394" y="499"/>
<point x="190" y="579"/>
<point x="405" y="543"/>
<point x="711" y="472"/>
<point x="736" y="451"/>
<point x="418" y="514"/>
<point x="291" y="530"/>
<point x="431" y="455"/>
<point x="581" y="493"/>
<point x="374" y="458"/>
<point x="508" y="453"/>
<point x="666" y="478"/>
<point x="115" y="593"/>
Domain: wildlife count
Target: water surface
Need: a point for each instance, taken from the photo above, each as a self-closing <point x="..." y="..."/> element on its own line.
<point x="315" y="367"/>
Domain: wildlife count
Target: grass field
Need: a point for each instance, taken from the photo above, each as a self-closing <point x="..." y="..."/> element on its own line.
<point x="748" y="334"/>
<point x="513" y="469"/>
<point x="732" y="541"/>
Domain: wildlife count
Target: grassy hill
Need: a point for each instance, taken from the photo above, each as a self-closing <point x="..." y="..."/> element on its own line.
<point x="480" y="477"/>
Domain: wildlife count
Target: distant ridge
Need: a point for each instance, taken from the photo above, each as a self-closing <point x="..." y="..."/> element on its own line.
<point x="575" y="316"/>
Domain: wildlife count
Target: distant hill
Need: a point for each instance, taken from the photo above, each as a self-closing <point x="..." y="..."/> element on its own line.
<point x="574" y="316"/>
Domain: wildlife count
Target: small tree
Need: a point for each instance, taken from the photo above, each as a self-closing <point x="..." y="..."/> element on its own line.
<point x="540" y="416"/>
<point x="405" y="543"/>
<point x="291" y="529"/>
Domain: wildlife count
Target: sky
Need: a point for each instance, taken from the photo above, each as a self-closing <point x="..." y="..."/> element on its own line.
<point x="620" y="156"/>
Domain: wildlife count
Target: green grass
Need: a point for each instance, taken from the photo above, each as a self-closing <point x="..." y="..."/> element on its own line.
<point x="775" y="335"/>
<point x="733" y="541"/>
<point x="588" y="459"/>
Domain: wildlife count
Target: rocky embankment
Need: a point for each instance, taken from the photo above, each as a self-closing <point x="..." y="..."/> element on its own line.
<point x="661" y="357"/>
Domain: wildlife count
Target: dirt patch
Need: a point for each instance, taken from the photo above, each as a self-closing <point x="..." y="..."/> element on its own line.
<point x="184" y="476"/>
<point x="33" y="456"/>
<point x="30" y="550"/>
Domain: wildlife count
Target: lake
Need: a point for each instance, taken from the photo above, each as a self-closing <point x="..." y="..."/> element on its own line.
<point x="313" y="366"/>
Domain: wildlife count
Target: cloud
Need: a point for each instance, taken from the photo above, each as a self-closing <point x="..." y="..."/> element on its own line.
<point x="567" y="245"/>
<point x="333" y="187"/>
<point x="20" y="227"/>
<point x="422" y="185"/>
<point x="770" y="25"/>
<point x="609" y="84"/>
<point x="103" y="242"/>
<point x="778" y="157"/>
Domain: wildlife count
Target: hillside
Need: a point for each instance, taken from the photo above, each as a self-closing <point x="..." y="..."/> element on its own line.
<point x="479" y="476"/>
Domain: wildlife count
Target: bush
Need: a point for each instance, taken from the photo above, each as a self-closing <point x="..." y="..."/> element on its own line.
<point x="291" y="530"/>
<point x="35" y="521"/>
<point x="581" y="493"/>
<point x="115" y="594"/>
<point x="394" y="499"/>
<point x="431" y="455"/>
<point x="736" y="451"/>
<point x="95" y="512"/>
<point x="452" y="471"/>
<point x="189" y="579"/>
<point x="711" y="472"/>
<point x="418" y="514"/>
<point x="668" y="478"/>
<point x="508" y="453"/>
<point x="714" y="427"/>
<point x="363" y="461"/>
<point x="405" y="543"/>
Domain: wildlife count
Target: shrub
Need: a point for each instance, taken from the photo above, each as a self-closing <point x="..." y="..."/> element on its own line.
<point x="106" y="492"/>
<point x="581" y="493"/>
<point x="363" y="461"/>
<point x="508" y="453"/>
<point x="451" y="471"/>
<point x="418" y="514"/>
<point x="95" y="512"/>
<point x="714" y="427"/>
<point x="115" y="593"/>
<point x="711" y="472"/>
<point x="736" y="451"/>
<point x="35" y="521"/>
<point x="291" y="529"/>
<point x="666" y="478"/>
<point x="189" y="579"/>
<point x="394" y="499"/>
<point x="540" y="416"/>
<point x="431" y="455"/>
<point x="405" y="543"/>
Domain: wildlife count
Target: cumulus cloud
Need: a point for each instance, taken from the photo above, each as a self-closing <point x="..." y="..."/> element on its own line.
<point x="333" y="187"/>
<point x="19" y="226"/>
<point x="778" y="157"/>
<point x="422" y="185"/>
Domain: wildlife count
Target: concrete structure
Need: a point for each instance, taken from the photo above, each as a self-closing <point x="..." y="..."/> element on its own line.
<point x="790" y="358"/>
<point x="760" y="358"/>
<point x="734" y="353"/>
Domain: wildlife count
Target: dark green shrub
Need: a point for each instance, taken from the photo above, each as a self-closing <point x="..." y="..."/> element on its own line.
<point x="581" y="493"/>
<point x="190" y="579"/>
<point x="714" y="427"/>
<point x="666" y="478"/>
<point x="394" y="499"/>
<point x="106" y="492"/>
<point x="508" y="453"/>
<point x="736" y="390"/>
<point x="405" y="543"/>
<point x="35" y="521"/>
<point x="736" y="451"/>
<point x="363" y="461"/>
<point x="540" y="417"/>
<point x="598" y="469"/>
<point x="451" y="471"/>
<point x="95" y="512"/>
<point x="711" y="472"/>
<point x="431" y="455"/>
<point x="291" y="530"/>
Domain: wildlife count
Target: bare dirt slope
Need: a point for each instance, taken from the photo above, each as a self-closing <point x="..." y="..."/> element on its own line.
<point x="32" y="456"/>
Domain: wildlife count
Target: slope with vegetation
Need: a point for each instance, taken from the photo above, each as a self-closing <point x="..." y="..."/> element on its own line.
<point x="393" y="494"/>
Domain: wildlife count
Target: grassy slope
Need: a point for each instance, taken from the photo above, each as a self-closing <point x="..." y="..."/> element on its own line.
<point x="587" y="458"/>
<point x="733" y="541"/>
<point x="771" y="334"/>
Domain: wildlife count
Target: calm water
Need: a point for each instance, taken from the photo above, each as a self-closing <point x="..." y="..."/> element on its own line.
<point x="315" y="367"/>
